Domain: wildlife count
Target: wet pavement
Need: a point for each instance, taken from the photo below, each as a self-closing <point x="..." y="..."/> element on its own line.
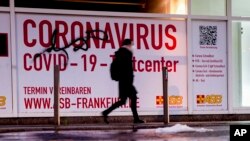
<point x="108" y="133"/>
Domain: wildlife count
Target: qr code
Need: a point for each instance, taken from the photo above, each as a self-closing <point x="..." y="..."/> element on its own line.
<point x="208" y="35"/>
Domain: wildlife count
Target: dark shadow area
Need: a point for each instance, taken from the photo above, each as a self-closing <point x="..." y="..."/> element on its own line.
<point x="4" y="45"/>
<point x="95" y="5"/>
<point x="119" y="135"/>
<point x="59" y="136"/>
<point x="4" y="3"/>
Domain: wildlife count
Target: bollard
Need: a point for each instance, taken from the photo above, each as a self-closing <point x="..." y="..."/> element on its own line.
<point x="56" y="95"/>
<point x="165" y="95"/>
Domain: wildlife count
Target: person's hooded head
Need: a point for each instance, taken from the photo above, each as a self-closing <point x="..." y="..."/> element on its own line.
<point x="128" y="43"/>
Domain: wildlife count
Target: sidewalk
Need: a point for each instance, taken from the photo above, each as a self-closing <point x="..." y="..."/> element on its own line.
<point x="111" y="126"/>
<point x="217" y="131"/>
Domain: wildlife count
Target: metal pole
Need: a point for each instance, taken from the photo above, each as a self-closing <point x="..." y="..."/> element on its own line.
<point x="165" y="95"/>
<point x="56" y="95"/>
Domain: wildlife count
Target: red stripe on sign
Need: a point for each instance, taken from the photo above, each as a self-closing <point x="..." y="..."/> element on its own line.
<point x="103" y="65"/>
<point x="73" y="64"/>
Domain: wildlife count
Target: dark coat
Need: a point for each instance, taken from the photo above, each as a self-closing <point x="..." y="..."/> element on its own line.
<point x="124" y="57"/>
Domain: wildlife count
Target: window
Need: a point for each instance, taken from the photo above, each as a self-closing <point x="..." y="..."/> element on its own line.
<point x="209" y="7"/>
<point x="240" y="8"/>
<point x="241" y="57"/>
<point x="4" y="3"/>
<point x="140" y="6"/>
<point x="95" y="5"/>
<point x="167" y="6"/>
<point x="3" y="45"/>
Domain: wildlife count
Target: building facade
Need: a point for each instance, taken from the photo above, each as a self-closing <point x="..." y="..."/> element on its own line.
<point x="203" y="43"/>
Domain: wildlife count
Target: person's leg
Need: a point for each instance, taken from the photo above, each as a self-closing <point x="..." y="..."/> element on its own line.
<point x="133" y="107"/>
<point x="117" y="104"/>
<point x="133" y="100"/>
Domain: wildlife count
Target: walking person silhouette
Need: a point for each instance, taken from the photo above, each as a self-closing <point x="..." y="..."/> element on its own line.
<point x="125" y="83"/>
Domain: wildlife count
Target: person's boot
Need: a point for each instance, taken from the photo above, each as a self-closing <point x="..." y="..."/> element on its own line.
<point x="105" y="117"/>
<point x="139" y="121"/>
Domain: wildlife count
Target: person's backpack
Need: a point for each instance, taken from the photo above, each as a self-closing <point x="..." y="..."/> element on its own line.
<point x="114" y="70"/>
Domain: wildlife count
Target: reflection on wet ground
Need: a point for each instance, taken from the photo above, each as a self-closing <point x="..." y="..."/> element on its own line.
<point x="220" y="133"/>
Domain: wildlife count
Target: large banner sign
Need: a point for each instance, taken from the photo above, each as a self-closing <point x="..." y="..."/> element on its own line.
<point x="5" y="66"/>
<point x="84" y="47"/>
<point x="209" y="65"/>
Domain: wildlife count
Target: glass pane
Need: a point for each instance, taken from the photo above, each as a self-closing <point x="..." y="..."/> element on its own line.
<point x="167" y="6"/>
<point x="245" y="66"/>
<point x="95" y="5"/>
<point x="140" y="6"/>
<point x="241" y="56"/>
<point x="236" y="34"/>
<point x="4" y="3"/>
<point x="4" y="45"/>
<point x="209" y="7"/>
<point x="240" y="8"/>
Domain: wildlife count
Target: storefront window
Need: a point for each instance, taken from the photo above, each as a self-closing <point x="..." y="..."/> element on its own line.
<point x="140" y="6"/>
<point x="95" y="5"/>
<point x="209" y="7"/>
<point x="241" y="55"/>
<point x="167" y="6"/>
<point x="240" y="8"/>
<point x="4" y="3"/>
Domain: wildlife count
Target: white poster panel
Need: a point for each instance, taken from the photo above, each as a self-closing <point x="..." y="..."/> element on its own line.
<point x="5" y="66"/>
<point x="85" y="84"/>
<point x="209" y="66"/>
